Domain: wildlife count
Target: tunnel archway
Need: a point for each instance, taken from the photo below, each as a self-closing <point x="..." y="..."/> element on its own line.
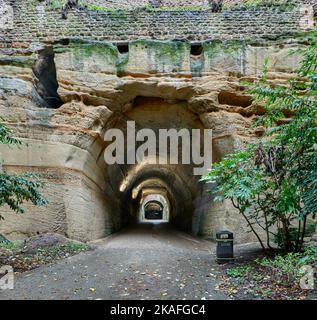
<point x="153" y="210"/>
<point x="152" y="179"/>
<point x="174" y="181"/>
<point x="154" y="207"/>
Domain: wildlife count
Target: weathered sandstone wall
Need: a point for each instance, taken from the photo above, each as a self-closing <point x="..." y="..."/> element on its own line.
<point x="133" y="76"/>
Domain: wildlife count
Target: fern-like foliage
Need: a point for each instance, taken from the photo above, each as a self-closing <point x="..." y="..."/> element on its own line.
<point x="275" y="182"/>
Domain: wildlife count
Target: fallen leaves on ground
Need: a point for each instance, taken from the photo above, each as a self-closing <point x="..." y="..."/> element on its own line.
<point x="260" y="284"/>
<point x="16" y="256"/>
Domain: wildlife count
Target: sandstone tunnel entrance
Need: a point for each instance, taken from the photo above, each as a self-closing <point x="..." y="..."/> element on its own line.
<point x="172" y="187"/>
<point x="117" y="67"/>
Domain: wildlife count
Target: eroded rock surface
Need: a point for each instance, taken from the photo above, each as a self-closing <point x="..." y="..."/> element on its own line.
<point x="61" y="94"/>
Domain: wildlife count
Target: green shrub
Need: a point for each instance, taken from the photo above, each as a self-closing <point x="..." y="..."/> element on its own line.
<point x="287" y="268"/>
<point x="239" y="272"/>
<point x="274" y="182"/>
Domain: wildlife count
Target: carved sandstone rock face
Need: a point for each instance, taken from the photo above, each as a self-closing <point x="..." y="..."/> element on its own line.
<point x="88" y="198"/>
<point x="62" y="86"/>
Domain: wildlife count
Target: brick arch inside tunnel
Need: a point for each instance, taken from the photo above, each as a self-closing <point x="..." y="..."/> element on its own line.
<point x="154" y="205"/>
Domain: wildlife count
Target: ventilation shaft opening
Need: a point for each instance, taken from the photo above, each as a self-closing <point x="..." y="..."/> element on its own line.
<point x="196" y="49"/>
<point x="123" y="48"/>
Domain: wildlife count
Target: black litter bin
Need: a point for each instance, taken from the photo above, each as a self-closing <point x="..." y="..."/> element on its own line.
<point x="224" y="246"/>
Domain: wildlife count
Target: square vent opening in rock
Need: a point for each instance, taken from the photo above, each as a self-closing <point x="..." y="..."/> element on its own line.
<point x="123" y="48"/>
<point x="196" y="49"/>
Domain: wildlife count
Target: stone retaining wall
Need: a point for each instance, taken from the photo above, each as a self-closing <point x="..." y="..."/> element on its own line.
<point x="34" y="22"/>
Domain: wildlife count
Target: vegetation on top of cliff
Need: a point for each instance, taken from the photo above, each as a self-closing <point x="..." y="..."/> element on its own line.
<point x="274" y="183"/>
<point x="214" y="5"/>
<point x="249" y="4"/>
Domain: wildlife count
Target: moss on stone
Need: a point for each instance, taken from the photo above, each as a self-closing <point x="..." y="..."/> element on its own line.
<point x="165" y="52"/>
<point x="83" y="55"/>
<point x="94" y="7"/>
<point x="196" y="67"/>
<point x="281" y="5"/>
<point x="84" y="49"/>
<point x="22" y="62"/>
<point x="122" y="62"/>
<point x="216" y="47"/>
<point x="56" y="4"/>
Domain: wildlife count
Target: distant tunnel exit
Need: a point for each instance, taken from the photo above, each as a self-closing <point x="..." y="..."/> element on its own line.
<point x="154" y="208"/>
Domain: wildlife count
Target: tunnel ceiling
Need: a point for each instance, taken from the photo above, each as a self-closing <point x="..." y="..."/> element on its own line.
<point x="157" y="113"/>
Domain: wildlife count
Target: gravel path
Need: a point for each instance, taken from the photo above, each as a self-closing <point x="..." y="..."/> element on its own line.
<point x="146" y="262"/>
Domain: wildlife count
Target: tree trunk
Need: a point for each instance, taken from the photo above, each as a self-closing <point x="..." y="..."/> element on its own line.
<point x="253" y="230"/>
<point x="303" y="234"/>
<point x="287" y="243"/>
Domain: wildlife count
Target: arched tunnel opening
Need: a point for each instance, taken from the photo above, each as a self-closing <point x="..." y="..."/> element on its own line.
<point x="172" y="187"/>
<point x="125" y="188"/>
<point x="160" y="184"/>
<point x="153" y="210"/>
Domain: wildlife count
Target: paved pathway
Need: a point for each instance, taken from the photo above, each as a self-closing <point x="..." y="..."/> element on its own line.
<point x="146" y="262"/>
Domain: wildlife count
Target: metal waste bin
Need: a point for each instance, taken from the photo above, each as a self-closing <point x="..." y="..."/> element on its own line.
<point x="224" y="246"/>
